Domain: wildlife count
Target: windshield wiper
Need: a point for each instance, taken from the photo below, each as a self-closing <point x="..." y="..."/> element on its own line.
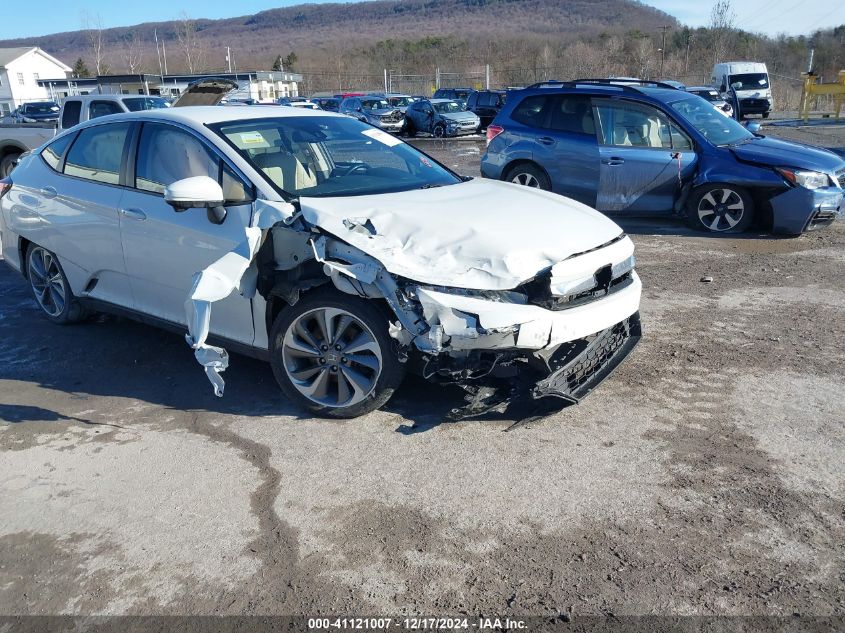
<point x="430" y="185"/>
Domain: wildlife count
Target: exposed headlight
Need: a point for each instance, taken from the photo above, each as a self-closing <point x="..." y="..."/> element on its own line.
<point x="806" y="179"/>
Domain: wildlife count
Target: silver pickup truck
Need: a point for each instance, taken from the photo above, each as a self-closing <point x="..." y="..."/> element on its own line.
<point x="17" y="138"/>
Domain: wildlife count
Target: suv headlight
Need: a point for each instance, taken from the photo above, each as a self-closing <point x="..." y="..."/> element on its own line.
<point x="806" y="179"/>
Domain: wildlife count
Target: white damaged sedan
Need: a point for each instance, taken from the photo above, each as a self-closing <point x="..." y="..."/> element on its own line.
<point x="340" y="254"/>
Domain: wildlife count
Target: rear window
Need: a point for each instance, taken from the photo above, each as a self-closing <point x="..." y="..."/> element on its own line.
<point x="52" y="154"/>
<point x="531" y="111"/>
<point x="97" y="153"/>
<point x="103" y="108"/>
<point x="70" y="115"/>
<point x="136" y="104"/>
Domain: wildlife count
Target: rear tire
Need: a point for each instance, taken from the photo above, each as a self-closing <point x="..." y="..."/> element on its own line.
<point x="529" y="175"/>
<point x="720" y="208"/>
<point x="50" y="287"/>
<point x="332" y="355"/>
<point x="7" y="164"/>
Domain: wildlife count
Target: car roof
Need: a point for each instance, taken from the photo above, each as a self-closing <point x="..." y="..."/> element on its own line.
<point x="442" y="100"/>
<point x="702" y="88"/>
<point x="205" y="115"/>
<point x="663" y="95"/>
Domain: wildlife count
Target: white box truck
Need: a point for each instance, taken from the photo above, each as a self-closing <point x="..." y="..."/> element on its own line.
<point x="750" y="80"/>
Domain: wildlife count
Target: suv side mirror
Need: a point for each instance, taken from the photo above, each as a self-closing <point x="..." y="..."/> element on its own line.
<point x="752" y="126"/>
<point x="197" y="192"/>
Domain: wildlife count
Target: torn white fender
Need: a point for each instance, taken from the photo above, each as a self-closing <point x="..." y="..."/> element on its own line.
<point x="218" y="280"/>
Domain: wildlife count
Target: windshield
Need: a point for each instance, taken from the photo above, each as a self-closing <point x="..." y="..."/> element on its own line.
<point x="401" y="102"/>
<point x="375" y="104"/>
<point x="715" y="127"/>
<point x="447" y="107"/>
<point x="750" y="81"/>
<point x="710" y="95"/>
<point x="41" y="108"/>
<point x="145" y="103"/>
<point x="317" y="156"/>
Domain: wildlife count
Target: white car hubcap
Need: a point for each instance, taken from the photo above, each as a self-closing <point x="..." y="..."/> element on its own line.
<point x="720" y="209"/>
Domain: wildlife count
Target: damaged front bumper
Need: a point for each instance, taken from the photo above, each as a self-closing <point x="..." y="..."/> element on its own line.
<point x="799" y="209"/>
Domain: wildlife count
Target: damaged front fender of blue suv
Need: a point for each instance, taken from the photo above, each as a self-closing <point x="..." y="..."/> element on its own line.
<point x="644" y="149"/>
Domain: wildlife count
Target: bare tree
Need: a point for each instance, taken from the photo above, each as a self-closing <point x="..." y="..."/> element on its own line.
<point x="93" y="25"/>
<point x="189" y="42"/>
<point x="133" y="47"/>
<point x="721" y="28"/>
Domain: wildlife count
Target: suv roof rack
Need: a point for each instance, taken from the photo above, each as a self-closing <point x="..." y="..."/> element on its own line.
<point x="622" y="83"/>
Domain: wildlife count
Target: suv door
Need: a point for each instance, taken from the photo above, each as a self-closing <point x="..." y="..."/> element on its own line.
<point x="163" y="248"/>
<point x="644" y="157"/>
<point x="80" y="204"/>
<point x="567" y="147"/>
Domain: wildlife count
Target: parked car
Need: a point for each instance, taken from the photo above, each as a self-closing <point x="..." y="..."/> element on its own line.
<point x="440" y="118"/>
<point x="298" y="102"/>
<point x="709" y="93"/>
<point x="36" y="112"/>
<point x="455" y="94"/>
<point x="370" y="258"/>
<point x="85" y="107"/>
<point x="375" y="111"/>
<point x="641" y="150"/>
<point x="329" y="104"/>
<point x="486" y="104"/>
<point x="750" y="82"/>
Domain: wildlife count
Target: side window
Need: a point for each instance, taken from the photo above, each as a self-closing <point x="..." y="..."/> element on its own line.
<point x="103" y="108"/>
<point x="679" y="139"/>
<point x="52" y="154"/>
<point x="70" y="116"/>
<point x="573" y="113"/>
<point x="97" y="152"/>
<point x="532" y="111"/>
<point x="626" y="124"/>
<point x="167" y="154"/>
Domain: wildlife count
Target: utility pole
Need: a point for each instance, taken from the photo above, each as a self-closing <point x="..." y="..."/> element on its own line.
<point x="229" y="59"/>
<point x="663" y="48"/>
<point x="686" y="60"/>
<point x="487" y="77"/>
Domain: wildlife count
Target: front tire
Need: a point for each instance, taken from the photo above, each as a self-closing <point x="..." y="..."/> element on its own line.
<point x="720" y="208"/>
<point x="529" y="175"/>
<point x="439" y="131"/>
<point x="331" y="354"/>
<point x="50" y="287"/>
<point x="8" y="164"/>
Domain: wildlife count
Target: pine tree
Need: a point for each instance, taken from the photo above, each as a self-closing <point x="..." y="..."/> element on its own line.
<point x="277" y="65"/>
<point x="80" y="69"/>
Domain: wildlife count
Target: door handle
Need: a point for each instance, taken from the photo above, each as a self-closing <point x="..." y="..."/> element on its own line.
<point x="49" y="192"/>
<point x="613" y="160"/>
<point x="134" y="214"/>
<point x="546" y="140"/>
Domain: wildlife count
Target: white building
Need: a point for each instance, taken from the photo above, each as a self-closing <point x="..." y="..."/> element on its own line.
<point x="20" y="70"/>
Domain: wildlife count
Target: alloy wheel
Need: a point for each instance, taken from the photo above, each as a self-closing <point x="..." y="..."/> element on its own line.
<point x="331" y="357"/>
<point x="526" y="179"/>
<point x="720" y="209"/>
<point x="47" y="281"/>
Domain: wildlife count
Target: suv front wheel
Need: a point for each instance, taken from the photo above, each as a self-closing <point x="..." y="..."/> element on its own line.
<point x="529" y="175"/>
<point x="720" y="208"/>
<point x="331" y="354"/>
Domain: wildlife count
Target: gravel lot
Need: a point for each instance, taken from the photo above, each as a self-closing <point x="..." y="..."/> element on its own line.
<point x="705" y="477"/>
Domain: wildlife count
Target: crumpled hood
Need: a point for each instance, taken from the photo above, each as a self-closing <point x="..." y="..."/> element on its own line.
<point x="778" y="153"/>
<point x="482" y="234"/>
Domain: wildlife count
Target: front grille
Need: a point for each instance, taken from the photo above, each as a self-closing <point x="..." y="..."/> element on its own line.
<point x="580" y="365"/>
<point x="754" y="102"/>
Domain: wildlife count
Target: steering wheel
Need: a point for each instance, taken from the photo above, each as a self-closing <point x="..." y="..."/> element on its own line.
<point x="356" y="167"/>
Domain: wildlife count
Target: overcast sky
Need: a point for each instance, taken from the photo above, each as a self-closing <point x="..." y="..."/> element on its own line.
<point x="20" y="19"/>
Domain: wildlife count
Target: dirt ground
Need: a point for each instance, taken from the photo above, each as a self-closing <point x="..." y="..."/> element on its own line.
<point x="705" y="477"/>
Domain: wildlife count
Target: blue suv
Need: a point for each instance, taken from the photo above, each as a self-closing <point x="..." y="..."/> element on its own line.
<point x="645" y="148"/>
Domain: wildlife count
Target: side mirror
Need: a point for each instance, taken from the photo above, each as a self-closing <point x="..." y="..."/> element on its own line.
<point x="197" y="192"/>
<point x="736" y="85"/>
<point x="753" y="126"/>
